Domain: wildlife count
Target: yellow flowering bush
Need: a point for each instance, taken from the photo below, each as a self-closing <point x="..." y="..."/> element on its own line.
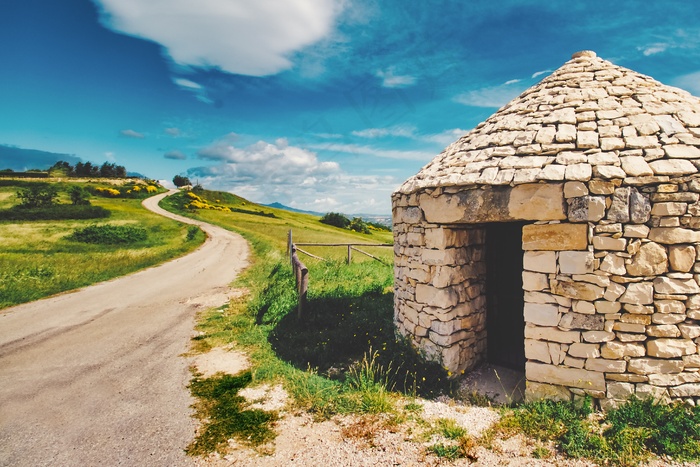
<point x="110" y="192"/>
<point x="151" y="189"/>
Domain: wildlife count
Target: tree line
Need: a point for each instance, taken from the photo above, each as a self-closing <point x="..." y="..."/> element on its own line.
<point x="88" y="169"/>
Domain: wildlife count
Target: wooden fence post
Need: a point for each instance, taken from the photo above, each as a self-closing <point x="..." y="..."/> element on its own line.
<point x="349" y="254"/>
<point x="303" y="289"/>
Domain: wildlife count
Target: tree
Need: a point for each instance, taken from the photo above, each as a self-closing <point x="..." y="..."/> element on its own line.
<point x="79" y="195"/>
<point x="37" y="196"/>
<point x="181" y="181"/>
<point x="358" y="225"/>
<point x="336" y="219"/>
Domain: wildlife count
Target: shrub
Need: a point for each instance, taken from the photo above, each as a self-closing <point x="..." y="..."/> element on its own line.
<point x="336" y="219"/>
<point x="79" y="195"/>
<point x="37" y="196"/>
<point x="109" y="234"/>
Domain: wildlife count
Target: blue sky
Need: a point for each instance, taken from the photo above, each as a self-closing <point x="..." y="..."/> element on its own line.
<point x="325" y="105"/>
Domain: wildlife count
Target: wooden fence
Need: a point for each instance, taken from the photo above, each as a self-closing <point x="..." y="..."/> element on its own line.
<point x="301" y="272"/>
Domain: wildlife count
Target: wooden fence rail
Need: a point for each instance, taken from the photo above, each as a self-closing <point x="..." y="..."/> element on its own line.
<point x="301" y="272"/>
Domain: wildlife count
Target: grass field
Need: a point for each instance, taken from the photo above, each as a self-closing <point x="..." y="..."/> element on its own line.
<point x="37" y="260"/>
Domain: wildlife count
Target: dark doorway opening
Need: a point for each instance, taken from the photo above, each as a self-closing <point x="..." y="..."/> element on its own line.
<point x="505" y="324"/>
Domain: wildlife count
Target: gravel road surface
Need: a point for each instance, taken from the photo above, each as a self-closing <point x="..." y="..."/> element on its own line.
<point x="95" y="377"/>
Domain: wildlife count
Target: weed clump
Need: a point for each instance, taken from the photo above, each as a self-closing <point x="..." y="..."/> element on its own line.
<point x="109" y="234"/>
<point x="225" y="415"/>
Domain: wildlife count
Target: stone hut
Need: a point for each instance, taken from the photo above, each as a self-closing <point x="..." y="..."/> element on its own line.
<point x="562" y="237"/>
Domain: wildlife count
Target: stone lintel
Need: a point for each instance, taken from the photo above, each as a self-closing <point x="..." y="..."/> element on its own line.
<point x="555" y="237"/>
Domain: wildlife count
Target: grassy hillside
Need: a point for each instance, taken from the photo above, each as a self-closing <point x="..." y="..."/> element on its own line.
<point x="37" y="259"/>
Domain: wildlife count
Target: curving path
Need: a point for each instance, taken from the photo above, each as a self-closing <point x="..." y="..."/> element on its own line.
<point x="96" y="376"/>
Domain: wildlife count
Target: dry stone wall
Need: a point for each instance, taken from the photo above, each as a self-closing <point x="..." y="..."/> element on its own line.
<point x="610" y="284"/>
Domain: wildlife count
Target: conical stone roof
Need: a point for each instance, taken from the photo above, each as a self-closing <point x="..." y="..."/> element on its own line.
<point x="588" y="119"/>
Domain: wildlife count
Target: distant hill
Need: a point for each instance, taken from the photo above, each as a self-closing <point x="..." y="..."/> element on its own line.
<point x="378" y="218"/>
<point x="290" y="209"/>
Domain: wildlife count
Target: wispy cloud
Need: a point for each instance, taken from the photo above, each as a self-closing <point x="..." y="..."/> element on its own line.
<point x="175" y="155"/>
<point x="406" y="131"/>
<point x="689" y="82"/>
<point x="446" y="137"/>
<point x="195" y="88"/>
<point x="495" y="96"/>
<point x="249" y="37"/>
<point x="129" y="133"/>
<point x="362" y="150"/>
<point x="391" y="80"/>
<point x="540" y="73"/>
<point x="653" y="49"/>
<point x="173" y="131"/>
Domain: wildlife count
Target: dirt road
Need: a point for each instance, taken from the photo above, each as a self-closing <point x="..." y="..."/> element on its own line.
<point x="95" y="377"/>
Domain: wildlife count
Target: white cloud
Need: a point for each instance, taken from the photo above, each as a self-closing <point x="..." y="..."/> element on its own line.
<point x="197" y="89"/>
<point x="173" y="131"/>
<point x="392" y="80"/>
<point x="496" y="96"/>
<point x="447" y="136"/>
<point x="132" y="134"/>
<point x="653" y="49"/>
<point x="540" y="73"/>
<point x="249" y="37"/>
<point x="689" y="82"/>
<point x="512" y="81"/>
<point x="110" y="156"/>
<point x="403" y="131"/>
<point x="268" y="172"/>
<point x="370" y="151"/>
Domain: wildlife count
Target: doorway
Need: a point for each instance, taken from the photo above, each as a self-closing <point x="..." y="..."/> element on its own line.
<point x="505" y="323"/>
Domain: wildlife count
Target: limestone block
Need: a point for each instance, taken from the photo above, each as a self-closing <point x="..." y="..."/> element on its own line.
<point x="636" y="166"/>
<point x="597" y="336"/>
<point x="635" y="318"/>
<point x="636" y="231"/>
<point x="689" y="331"/>
<point x="575" y="262"/>
<point x="667" y="318"/>
<point x="578" y="290"/>
<point x="685" y="390"/>
<point x="620" y="391"/>
<point x="613" y="264"/>
<point x="551" y="334"/>
<point x="597" y="279"/>
<point x="670" y="286"/>
<point x="673" y="235"/>
<point x="571" y="157"/>
<point x="672" y="167"/>
<point x="691" y="361"/>
<point x="538" y="297"/>
<point x="611" y="143"/>
<point x="581" y="321"/>
<point x="674" y="379"/>
<point x="440" y="298"/>
<point x="582" y="350"/>
<point x="648" y="366"/>
<point x="646" y="391"/>
<point x="682" y="151"/>
<point x="670" y="348"/>
<point x="575" y="189"/>
<point x="580" y="172"/>
<point x="606" y="307"/>
<point x="601" y="187"/>
<point x="537" y="201"/>
<point x="566" y="133"/>
<point x="587" y="139"/>
<point x="609" y="243"/>
<point x="606" y="366"/>
<point x="580" y="306"/>
<point x="540" y="261"/>
<point x="574" y="362"/>
<point x="556" y="353"/>
<point x="650" y="260"/>
<point x="553" y="237"/>
<point x="450" y="256"/>
<point x="640" y="207"/>
<point x="619" y="350"/>
<point x="541" y="314"/>
<point x="538" y="391"/>
<point x="663" y="330"/>
<point x="608" y="172"/>
<point x="533" y="281"/>
<point x="681" y="257"/>
<point x="571" y="377"/>
<point x="629" y="327"/>
<point x="537" y="350"/>
<point x="408" y="215"/>
<point x="669" y="306"/>
<point x="640" y="293"/>
<point x="641" y="142"/>
<point x="614" y="291"/>
<point x="625" y="337"/>
<point x="586" y="208"/>
<point x="669" y="209"/>
<point x="619" y="210"/>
